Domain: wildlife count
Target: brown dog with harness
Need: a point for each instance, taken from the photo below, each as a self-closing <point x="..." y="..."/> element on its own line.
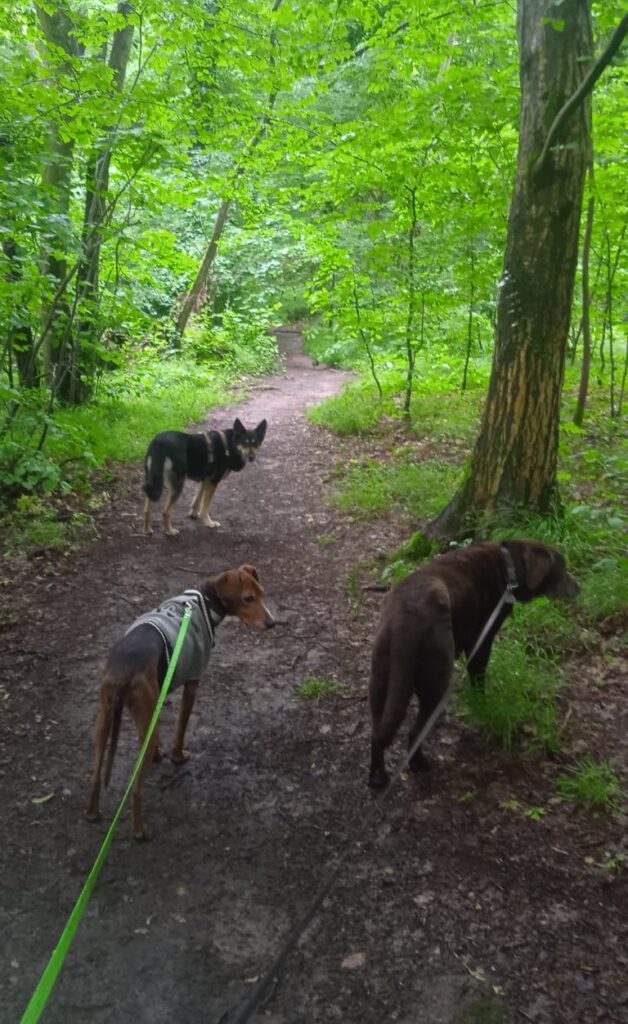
<point x="138" y="662"/>
<point x="438" y="613"/>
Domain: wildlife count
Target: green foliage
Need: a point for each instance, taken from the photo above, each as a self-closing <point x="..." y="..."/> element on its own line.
<point x="370" y="488"/>
<point x="481" y="1011"/>
<point x="517" y="701"/>
<point x="605" y="589"/>
<point x="240" y="343"/>
<point x="408" y="558"/>
<point x="594" y="784"/>
<point x="357" y="410"/>
<point x="319" y="689"/>
<point x="38" y="527"/>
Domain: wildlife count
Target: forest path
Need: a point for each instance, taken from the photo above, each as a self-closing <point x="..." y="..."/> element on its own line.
<point x="451" y="910"/>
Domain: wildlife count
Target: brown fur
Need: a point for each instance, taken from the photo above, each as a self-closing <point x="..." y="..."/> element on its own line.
<point x="435" y="615"/>
<point x="135" y="671"/>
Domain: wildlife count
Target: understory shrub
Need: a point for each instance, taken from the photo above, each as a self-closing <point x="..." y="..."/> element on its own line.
<point x="518" y="699"/>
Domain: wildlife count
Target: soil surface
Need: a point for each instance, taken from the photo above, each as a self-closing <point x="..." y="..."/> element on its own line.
<point x="456" y="903"/>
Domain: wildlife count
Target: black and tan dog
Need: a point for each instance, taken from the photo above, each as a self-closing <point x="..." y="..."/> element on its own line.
<point x="438" y="613"/>
<point x="138" y="662"/>
<point x="207" y="458"/>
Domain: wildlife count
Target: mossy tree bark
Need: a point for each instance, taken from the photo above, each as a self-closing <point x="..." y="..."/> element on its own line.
<point x="515" y="458"/>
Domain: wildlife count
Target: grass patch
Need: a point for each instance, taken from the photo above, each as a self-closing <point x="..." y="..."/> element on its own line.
<point x="593" y="784"/>
<point x="36" y="526"/>
<point x="408" y="558"/>
<point x="372" y="488"/>
<point x="319" y="689"/>
<point x="518" y="699"/>
<point x="548" y="625"/>
<point x="357" y="410"/>
<point x="325" y="540"/>
<point x="446" y="415"/>
<point x="605" y="589"/>
<point x="120" y="421"/>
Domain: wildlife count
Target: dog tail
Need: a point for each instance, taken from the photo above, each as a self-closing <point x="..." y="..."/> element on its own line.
<point x="398" y="691"/>
<point x="113" y="737"/>
<point x="154" y="472"/>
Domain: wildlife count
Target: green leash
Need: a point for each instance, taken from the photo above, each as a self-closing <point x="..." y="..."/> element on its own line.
<point x="48" y="979"/>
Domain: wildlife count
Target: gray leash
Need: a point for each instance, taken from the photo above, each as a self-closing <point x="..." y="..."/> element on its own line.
<point x="291" y="940"/>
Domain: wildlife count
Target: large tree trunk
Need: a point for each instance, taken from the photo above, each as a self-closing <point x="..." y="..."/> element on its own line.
<point x="515" y="457"/>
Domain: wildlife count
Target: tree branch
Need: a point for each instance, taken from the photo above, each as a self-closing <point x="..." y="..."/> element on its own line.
<point x="583" y="90"/>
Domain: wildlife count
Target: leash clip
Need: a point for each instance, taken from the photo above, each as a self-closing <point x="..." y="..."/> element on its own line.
<point x="512" y="583"/>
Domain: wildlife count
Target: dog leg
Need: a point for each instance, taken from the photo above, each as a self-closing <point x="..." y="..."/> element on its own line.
<point x="142" y="708"/>
<point x="167" y="512"/>
<point x="206" y="519"/>
<point x="179" y="755"/>
<point x="147" y="527"/>
<point x="378" y="691"/>
<point x="103" y="728"/>
<point x="428" y="699"/>
<point x="196" y="504"/>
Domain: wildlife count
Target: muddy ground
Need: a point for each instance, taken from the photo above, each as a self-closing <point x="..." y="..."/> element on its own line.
<point x="454" y="907"/>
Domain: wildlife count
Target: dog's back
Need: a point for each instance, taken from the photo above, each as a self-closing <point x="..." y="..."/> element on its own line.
<point x="439" y="612"/>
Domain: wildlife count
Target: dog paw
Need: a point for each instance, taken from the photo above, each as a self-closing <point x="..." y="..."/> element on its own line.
<point x="172" y="532"/>
<point x="419" y="764"/>
<point x="179" y="756"/>
<point x="193" y="513"/>
<point x="148" y="532"/>
<point x="211" y="522"/>
<point x="378" y="779"/>
<point x="90" y="815"/>
<point x="142" y="834"/>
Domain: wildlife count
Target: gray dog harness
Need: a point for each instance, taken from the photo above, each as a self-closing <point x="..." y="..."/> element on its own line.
<point x="200" y="638"/>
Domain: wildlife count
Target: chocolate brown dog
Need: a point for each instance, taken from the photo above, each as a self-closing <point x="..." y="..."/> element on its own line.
<point x="438" y="613"/>
<point x="138" y="662"/>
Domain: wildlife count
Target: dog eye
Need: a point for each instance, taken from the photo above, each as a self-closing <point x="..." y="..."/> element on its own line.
<point x="249" y="599"/>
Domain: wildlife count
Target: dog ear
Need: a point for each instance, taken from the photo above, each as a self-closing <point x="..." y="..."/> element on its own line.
<point x="538" y="561"/>
<point x="238" y="426"/>
<point x="260" y="430"/>
<point x="252" y="571"/>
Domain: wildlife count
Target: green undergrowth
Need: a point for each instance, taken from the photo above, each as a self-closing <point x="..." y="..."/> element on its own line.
<point x="592" y="784"/>
<point x="518" y="699"/>
<point x="319" y="689"/>
<point x="50" y="461"/>
<point x="373" y="488"/>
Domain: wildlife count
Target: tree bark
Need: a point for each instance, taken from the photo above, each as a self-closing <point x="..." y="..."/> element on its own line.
<point x="57" y="181"/>
<point x="96" y="189"/>
<point x="515" y="458"/>
<point x="583" y="389"/>
<point x="192" y="299"/>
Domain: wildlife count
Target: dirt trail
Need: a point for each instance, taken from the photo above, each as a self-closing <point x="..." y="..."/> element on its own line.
<point x="449" y="912"/>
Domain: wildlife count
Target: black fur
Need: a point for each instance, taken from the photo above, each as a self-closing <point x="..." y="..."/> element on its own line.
<point x="174" y="456"/>
<point x="208" y="456"/>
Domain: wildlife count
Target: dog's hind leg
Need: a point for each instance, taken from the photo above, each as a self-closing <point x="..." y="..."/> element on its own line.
<point x="209" y="489"/>
<point x="179" y="755"/>
<point x="378" y="690"/>
<point x="103" y="728"/>
<point x="142" y="706"/>
<point x="147" y="527"/>
<point x="436" y="674"/>
<point x="175" y="486"/>
<point x="195" y="509"/>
